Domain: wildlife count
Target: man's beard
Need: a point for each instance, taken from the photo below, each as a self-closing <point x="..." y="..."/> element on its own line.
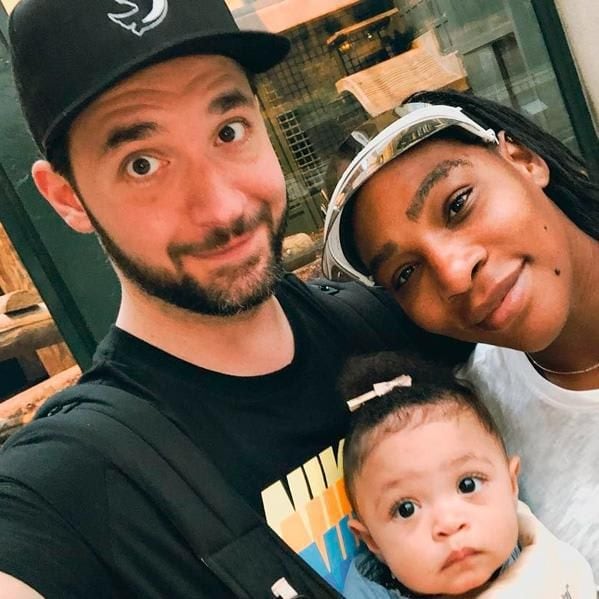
<point x="185" y="292"/>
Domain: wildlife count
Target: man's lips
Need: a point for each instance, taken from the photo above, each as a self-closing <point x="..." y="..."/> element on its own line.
<point x="233" y="246"/>
<point x="458" y="555"/>
<point x="494" y="311"/>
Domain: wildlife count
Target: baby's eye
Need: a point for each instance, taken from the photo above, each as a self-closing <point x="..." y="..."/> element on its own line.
<point x="470" y="484"/>
<point x="231" y="132"/>
<point x="142" y="166"/>
<point x="404" y="509"/>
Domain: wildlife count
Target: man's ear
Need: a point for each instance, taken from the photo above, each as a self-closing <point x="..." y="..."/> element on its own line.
<point x="61" y="196"/>
<point x="364" y="535"/>
<point x="514" y="470"/>
<point x="524" y="159"/>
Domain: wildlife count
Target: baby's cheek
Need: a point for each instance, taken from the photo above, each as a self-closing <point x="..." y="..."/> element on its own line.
<point x="510" y="537"/>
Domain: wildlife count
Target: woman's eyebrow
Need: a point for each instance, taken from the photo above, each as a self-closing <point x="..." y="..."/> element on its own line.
<point x="441" y="171"/>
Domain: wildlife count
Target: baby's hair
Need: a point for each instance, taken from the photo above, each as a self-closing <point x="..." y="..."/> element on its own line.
<point x="434" y="391"/>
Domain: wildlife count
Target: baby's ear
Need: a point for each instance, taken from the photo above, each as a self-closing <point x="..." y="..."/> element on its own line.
<point x="514" y="470"/>
<point x="364" y="535"/>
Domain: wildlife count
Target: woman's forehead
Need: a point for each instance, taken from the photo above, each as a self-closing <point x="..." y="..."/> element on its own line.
<point x="425" y="155"/>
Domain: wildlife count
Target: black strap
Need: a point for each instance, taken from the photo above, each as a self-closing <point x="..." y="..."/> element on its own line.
<point x="363" y="315"/>
<point x="230" y="538"/>
<point x="372" y="321"/>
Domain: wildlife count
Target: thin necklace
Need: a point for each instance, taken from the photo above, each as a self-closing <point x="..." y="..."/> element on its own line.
<point x="562" y="372"/>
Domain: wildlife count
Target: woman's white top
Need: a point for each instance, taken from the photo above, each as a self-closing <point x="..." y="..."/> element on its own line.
<point x="555" y="432"/>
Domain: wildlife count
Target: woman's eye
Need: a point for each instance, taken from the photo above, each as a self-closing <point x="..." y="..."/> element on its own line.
<point x="235" y="131"/>
<point x="402" y="276"/>
<point x="456" y="205"/>
<point x="142" y="166"/>
<point x="404" y="509"/>
<point x="470" y="484"/>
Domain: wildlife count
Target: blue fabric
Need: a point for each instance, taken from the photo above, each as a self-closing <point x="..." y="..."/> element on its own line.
<point x="357" y="586"/>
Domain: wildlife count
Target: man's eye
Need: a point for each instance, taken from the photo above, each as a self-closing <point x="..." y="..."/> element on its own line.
<point x="470" y="484"/>
<point x="402" y="276"/>
<point x="456" y="205"/>
<point x="404" y="509"/>
<point x="142" y="166"/>
<point x="235" y="131"/>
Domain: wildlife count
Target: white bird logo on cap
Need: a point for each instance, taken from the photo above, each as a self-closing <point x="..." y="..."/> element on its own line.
<point x="138" y="19"/>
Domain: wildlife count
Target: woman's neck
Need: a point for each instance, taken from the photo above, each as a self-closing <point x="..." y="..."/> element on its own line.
<point x="575" y="351"/>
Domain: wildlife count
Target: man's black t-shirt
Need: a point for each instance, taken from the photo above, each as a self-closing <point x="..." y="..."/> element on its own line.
<point x="255" y="429"/>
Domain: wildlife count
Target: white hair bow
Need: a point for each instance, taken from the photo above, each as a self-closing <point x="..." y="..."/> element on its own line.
<point x="378" y="390"/>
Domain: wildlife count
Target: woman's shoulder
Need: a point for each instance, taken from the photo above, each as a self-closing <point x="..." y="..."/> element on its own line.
<point x="487" y="356"/>
<point x="498" y="366"/>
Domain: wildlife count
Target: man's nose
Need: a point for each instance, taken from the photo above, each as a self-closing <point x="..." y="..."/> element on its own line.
<point x="214" y="198"/>
<point x="455" y="265"/>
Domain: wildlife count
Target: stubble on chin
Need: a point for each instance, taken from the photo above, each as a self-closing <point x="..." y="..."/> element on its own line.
<point x="231" y="290"/>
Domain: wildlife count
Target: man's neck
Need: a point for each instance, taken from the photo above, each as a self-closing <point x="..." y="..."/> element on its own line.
<point x="253" y="343"/>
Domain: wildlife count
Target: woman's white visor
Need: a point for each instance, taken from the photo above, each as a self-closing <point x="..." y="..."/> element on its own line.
<point x="421" y="122"/>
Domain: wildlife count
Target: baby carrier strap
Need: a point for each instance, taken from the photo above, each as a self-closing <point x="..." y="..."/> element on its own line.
<point x="371" y="321"/>
<point x="366" y="317"/>
<point x="223" y="531"/>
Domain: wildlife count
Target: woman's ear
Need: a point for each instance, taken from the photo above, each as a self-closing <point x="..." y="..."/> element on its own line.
<point x="364" y="535"/>
<point x="61" y="196"/>
<point x="524" y="159"/>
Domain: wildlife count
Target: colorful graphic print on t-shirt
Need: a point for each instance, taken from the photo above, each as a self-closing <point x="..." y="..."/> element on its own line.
<point x="309" y="510"/>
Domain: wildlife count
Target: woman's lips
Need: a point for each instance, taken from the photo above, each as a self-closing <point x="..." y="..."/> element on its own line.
<point x="503" y="302"/>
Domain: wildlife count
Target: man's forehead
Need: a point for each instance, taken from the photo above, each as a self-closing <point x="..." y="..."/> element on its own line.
<point x="213" y="78"/>
<point x="208" y="69"/>
<point x="206" y="74"/>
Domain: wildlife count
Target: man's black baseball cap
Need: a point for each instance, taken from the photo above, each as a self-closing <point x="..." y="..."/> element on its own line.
<point x="67" y="52"/>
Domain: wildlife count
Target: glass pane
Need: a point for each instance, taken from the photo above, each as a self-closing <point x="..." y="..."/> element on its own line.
<point x="503" y="52"/>
<point x="496" y="45"/>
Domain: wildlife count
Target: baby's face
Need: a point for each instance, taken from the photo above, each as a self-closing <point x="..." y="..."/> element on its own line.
<point x="437" y="503"/>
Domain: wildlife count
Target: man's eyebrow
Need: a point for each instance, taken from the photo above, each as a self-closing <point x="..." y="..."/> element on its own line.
<point x="381" y="256"/>
<point x="125" y="133"/>
<point x="441" y="171"/>
<point x="228" y="101"/>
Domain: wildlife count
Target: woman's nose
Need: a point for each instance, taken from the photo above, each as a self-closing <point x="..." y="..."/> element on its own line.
<point x="455" y="266"/>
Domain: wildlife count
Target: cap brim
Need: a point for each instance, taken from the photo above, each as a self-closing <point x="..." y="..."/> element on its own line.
<point x="255" y="51"/>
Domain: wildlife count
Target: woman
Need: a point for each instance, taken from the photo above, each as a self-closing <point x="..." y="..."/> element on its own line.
<point x="484" y="228"/>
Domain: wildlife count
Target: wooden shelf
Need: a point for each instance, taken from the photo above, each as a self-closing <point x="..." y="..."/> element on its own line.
<point x="387" y="84"/>
<point x="343" y="33"/>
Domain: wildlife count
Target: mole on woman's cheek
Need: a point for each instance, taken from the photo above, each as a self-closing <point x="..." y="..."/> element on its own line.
<point x="545" y="227"/>
<point x="557" y="271"/>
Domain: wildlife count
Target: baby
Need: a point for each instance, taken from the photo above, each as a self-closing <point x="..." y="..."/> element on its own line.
<point x="434" y="493"/>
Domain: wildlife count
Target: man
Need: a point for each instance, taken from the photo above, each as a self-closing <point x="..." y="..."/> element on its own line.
<point x="153" y="139"/>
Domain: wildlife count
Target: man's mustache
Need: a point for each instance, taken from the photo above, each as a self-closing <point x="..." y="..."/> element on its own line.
<point x="220" y="236"/>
